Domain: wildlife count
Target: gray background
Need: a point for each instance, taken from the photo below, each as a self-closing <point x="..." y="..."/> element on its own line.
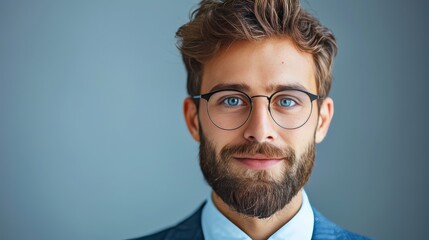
<point x="93" y="144"/>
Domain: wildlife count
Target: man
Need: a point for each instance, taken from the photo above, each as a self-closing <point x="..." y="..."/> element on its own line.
<point x="259" y="74"/>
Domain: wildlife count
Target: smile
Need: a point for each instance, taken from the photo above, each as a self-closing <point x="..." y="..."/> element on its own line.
<point x="258" y="162"/>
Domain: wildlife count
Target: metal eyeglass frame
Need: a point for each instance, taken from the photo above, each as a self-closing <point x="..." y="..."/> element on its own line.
<point x="208" y="95"/>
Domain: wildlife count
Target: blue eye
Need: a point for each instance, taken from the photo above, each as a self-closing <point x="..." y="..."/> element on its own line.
<point x="232" y="101"/>
<point x="287" y="102"/>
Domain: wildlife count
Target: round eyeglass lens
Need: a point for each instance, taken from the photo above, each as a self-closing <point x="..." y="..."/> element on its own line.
<point x="290" y="108"/>
<point x="229" y="109"/>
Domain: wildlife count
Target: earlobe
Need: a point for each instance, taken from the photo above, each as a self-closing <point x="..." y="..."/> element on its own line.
<point x="325" y="116"/>
<point x="190" y="112"/>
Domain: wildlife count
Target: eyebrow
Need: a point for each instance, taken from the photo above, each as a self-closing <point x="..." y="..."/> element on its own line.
<point x="281" y="87"/>
<point x="245" y="88"/>
<point x="236" y="86"/>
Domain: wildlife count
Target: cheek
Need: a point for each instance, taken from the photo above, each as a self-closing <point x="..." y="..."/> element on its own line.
<point x="218" y="137"/>
<point x="299" y="138"/>
<point x="206" y="125"/>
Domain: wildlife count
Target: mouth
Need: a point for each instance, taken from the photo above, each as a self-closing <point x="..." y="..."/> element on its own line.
<point x="258" y="162"/>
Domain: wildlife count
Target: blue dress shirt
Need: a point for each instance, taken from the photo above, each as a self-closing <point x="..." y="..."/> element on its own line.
<point x="216" y="226"/>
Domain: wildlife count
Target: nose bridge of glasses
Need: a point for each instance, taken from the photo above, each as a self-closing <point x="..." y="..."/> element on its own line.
<point x="262" y="96"/>
<point x="264" y="106"/>
<point x="267" y="97"/>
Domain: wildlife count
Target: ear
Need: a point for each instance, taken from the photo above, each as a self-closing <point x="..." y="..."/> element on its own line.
<point x="325" y="117"/>
<point x="190" y="112"/>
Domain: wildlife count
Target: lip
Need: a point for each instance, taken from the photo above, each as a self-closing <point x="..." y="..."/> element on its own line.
<point x="258" y="162"/>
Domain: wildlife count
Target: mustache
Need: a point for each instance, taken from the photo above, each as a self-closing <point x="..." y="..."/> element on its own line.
<point x="253" y="148"/>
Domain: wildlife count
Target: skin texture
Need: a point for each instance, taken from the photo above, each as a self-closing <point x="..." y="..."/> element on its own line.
<point x="261" y="66"/>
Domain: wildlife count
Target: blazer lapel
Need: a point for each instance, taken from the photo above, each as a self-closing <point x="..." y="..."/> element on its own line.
<point x="189" y="228"/>
<point x="323" y="228"/>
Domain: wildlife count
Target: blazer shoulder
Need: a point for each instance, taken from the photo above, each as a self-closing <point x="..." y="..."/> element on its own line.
<point x="327" y="230"/>
<point x="155" y="236"/>
<point x="190" y="228"/>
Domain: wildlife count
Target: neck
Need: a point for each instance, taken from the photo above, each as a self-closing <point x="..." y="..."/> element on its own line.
<point x="257" y="228"/>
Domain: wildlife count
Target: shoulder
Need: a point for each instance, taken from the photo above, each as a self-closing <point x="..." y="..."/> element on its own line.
<point x="189" y="228"/>
<point x="156" y="236"/>
<point x="327" y="230"/>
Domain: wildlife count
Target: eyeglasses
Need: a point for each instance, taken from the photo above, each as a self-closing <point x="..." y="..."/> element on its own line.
<point x="229" y="109"/>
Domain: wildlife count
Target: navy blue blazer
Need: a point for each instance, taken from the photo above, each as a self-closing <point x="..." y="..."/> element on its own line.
<point x="190" y="228"/>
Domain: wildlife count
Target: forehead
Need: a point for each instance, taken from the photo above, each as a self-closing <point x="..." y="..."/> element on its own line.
<point x="262" y="66"/>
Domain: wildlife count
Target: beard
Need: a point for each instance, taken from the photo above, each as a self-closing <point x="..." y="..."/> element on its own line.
<point x="255" y="193"/>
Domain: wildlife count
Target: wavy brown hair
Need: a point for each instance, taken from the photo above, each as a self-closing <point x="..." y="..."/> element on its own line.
<point x="216" y="24"/>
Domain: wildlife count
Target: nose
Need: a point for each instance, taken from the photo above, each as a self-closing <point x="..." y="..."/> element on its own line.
<point x="260" y="127"/>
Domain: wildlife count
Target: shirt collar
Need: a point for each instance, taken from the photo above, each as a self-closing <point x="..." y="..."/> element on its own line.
<point x="216" y="226"/>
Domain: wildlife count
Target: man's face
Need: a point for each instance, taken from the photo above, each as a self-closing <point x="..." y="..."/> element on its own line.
<point x="258" y="168"/>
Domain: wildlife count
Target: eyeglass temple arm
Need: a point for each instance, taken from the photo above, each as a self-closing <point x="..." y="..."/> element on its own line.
<point x="315" y="97"/>
<point x="203" y="96"/>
